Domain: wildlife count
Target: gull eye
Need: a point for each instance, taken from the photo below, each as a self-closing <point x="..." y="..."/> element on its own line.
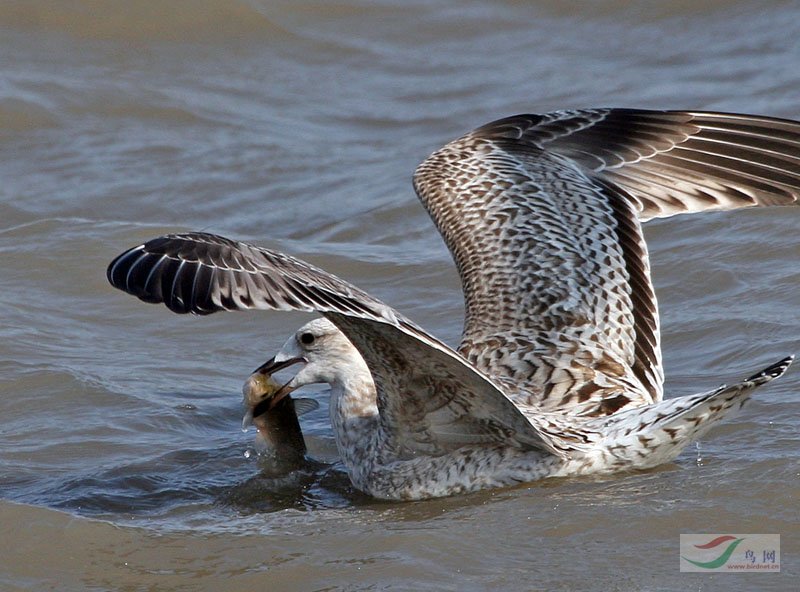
<point x="307" y="338"/>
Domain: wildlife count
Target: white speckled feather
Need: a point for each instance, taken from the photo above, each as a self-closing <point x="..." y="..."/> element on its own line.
<point x="559" y="370"/>
<point x="542" y="214"/>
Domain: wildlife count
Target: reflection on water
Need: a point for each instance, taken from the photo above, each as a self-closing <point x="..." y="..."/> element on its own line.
<point x="312" y="486"/>
<point x="297" y="125"/>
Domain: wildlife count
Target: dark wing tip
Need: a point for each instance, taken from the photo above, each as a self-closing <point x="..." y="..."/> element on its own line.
<point x="204" y="273"/>
<point x="772" y="372"/>
<point x="158" y="272"/>
<point x="117" y="270"/>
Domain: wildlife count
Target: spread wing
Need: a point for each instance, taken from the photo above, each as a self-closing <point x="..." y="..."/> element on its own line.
<point x="542" y="215"/>
<point x="430" y="399"/>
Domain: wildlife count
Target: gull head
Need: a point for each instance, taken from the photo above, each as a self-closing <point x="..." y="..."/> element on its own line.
<point x="323" y="354"/>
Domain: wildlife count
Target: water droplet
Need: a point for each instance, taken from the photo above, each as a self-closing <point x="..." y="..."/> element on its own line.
<point x="247" y="453"/>
<point x="699" y="459"/>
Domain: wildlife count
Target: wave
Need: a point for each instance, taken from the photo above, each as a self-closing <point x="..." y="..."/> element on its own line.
<point x="140" y="20"/>
<point x="17" y="115"/>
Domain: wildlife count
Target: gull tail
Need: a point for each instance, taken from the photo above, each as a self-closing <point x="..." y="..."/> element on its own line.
<point x="648" y="436"/>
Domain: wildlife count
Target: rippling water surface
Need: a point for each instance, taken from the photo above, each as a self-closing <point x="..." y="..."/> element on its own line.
<point x="297" y="125"/>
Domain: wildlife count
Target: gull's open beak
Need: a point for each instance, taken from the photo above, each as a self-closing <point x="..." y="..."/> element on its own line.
<point x="268" y="368"/>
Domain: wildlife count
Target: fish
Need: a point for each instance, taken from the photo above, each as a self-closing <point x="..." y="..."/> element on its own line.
<point x="275" y="416"/>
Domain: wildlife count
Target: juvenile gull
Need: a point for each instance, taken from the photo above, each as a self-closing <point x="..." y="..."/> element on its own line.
<point x="559" y="369"/>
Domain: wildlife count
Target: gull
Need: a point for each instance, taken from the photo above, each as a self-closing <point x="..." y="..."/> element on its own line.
<point x="559" y="369"/>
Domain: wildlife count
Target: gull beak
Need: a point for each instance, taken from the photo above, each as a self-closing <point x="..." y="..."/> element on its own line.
<point x="270" y="367"/>
<point x="267" y="369"/>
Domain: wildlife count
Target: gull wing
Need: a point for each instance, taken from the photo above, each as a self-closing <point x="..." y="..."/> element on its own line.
<point x="430" y="399"/>
<point x="542" y="215"/>
<point x="674" y="162"/>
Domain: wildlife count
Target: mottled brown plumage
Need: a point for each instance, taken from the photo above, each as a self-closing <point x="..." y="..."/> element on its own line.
<point x="559" y="370"/>
<point x="542" y="214"/>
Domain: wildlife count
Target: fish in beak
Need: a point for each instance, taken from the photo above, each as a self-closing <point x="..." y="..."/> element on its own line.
<point x="262" y="392"/>
<point x="274" y="413"/>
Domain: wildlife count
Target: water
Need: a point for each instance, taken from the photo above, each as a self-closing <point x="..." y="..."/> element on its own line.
<point x="297" y="125"/>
